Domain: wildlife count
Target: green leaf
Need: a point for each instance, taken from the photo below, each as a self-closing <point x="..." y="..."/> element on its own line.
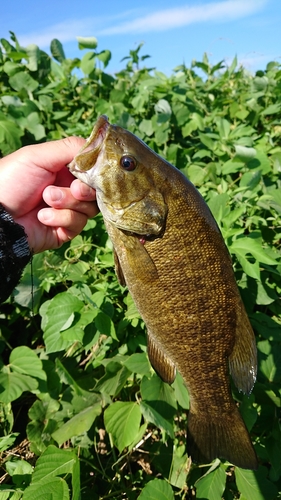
<point x="179" y="468"/>
<point x="157" y="489"/>
<point x="66" y="377"/>
<point x="159" y="395"/>
<point x="20" y="471"/>
<point x="12" y="385"/>
<point x="57" y="50"/>
<point x="181" y="392"/>
<point x="245" y="153"/>
<point x="248" y="411"/>
<point x="57" y="312"/>
<point x="223" y="128"/>
<point x="271" y="110"/>
<point x="219" y="206"/>
<point x="11" y="100"/>
<point x="28" y="292"/>
<point x="54" y="462"/>
<point x="105" y="325"/>
<point x="87" y="63"/>
<point x="232" y="66"/>
<point x="104" y="56"/>
<point x="254" y="485"/>
<point x="251" y="269"/>
<point x="163" y="107"/>
<point x="271" y="366"/>
<point x="49" y="489"/>
<point x="211" y="485"/>
<point x="87" y="42"/>
<point x="138" y="363"/>
<point x="253" y="246"/>
<point x="122" y="420"/>
<point x="207" y="141"/>
<point x="9" y="136"/>
<point x="156" y="418"/>
<point x="7" y="442"/>
<point x="34" y="126"/>
<point x="114" y="379"/>
<point x="230" y="167"/>
<point x="23" y="80"/>
<point x="24" y="360"/>
<point x="196" y="174"/>
<point x="77" y="425"/>
<point x="33" y="53"/>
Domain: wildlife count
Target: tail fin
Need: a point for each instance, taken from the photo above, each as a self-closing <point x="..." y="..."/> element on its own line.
<point x="226" y="437"/>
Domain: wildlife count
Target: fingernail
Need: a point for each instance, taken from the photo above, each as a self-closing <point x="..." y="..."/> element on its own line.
<point x="56" y="194"/>
<point x="85" y="190"/>
<point x="46" y="215"/>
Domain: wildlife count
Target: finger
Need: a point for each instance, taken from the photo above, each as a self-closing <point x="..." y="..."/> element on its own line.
<point x="70" y="221"/>
<point x="82" y="191"/>
<point x="62" y="198"/>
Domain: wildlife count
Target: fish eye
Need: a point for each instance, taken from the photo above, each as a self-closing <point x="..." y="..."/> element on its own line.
<point x="128" y="163"/>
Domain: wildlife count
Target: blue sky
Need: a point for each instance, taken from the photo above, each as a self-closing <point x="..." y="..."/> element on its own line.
<point x="171" y="35"/>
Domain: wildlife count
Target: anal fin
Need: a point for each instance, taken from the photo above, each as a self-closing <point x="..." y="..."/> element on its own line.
<point x="161" y="363"/>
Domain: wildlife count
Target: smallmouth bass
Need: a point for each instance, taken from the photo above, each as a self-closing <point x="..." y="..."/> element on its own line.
<point x="170" y="253"/>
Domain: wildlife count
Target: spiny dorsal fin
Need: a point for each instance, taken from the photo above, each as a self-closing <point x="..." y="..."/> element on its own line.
<point x="163" y="366"/>
<point x="243" y="359"/>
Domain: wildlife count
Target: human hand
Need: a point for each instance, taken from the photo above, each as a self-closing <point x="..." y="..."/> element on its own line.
<point x="38" y="190"/>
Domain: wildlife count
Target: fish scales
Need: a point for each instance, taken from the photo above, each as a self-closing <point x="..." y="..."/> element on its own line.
<point x="196" y="319"/>
<point x="170" y="253"/>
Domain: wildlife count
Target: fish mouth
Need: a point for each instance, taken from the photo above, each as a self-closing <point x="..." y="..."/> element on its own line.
<point x="88" y="154"/>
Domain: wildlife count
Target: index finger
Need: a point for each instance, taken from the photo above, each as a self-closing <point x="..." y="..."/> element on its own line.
<point x="51" y="155"/>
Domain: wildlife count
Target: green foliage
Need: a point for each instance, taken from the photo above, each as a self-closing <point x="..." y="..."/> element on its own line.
<point x="83" y="415"/>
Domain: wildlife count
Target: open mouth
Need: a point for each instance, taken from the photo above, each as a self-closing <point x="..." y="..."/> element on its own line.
<point x="88" y="154"/>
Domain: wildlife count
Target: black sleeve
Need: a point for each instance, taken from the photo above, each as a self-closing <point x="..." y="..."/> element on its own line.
<point x="14" y="253"/>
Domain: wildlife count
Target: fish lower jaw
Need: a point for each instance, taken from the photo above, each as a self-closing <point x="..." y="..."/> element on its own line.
<point x="82" y="176"/>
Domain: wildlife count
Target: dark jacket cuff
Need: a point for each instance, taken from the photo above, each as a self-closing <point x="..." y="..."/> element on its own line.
<point x="14" y="253"/>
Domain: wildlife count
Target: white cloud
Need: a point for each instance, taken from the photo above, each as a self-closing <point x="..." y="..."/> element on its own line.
<point x="255" y="61"/>
<point x="65" y="32"/>
<point x="68" y="30"/>
<point x="172" y="18"/>
<point x="219" y="11"/>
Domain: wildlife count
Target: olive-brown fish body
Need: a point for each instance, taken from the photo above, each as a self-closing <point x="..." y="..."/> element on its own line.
<point x="170" y="253"/>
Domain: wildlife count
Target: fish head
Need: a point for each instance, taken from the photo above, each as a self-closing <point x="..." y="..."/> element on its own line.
<point x="121" y="168"/>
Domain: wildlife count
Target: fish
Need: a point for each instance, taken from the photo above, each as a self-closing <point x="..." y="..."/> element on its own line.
<point x="170" y="253"/>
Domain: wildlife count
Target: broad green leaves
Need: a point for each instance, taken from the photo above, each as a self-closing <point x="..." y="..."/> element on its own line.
<point x="122" y="420"/>
<point x="73" y="350"/>
<point x="157" y="489"/>
<point x="212" y="484"/>
<point x="24" y="373"/>
<point x="59" y="314"/>
<point x="87" y="42"/>
<point x="255" y="485"/>
<point x="46" y="480"/>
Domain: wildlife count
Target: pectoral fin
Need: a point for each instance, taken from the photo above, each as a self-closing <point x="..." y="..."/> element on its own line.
<point x="132" y="261"/>
<point x="163" y="366"/>
<point x="140" y="260"/>
<point x="243" y="359"/>
<point x="118" y="270"/>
